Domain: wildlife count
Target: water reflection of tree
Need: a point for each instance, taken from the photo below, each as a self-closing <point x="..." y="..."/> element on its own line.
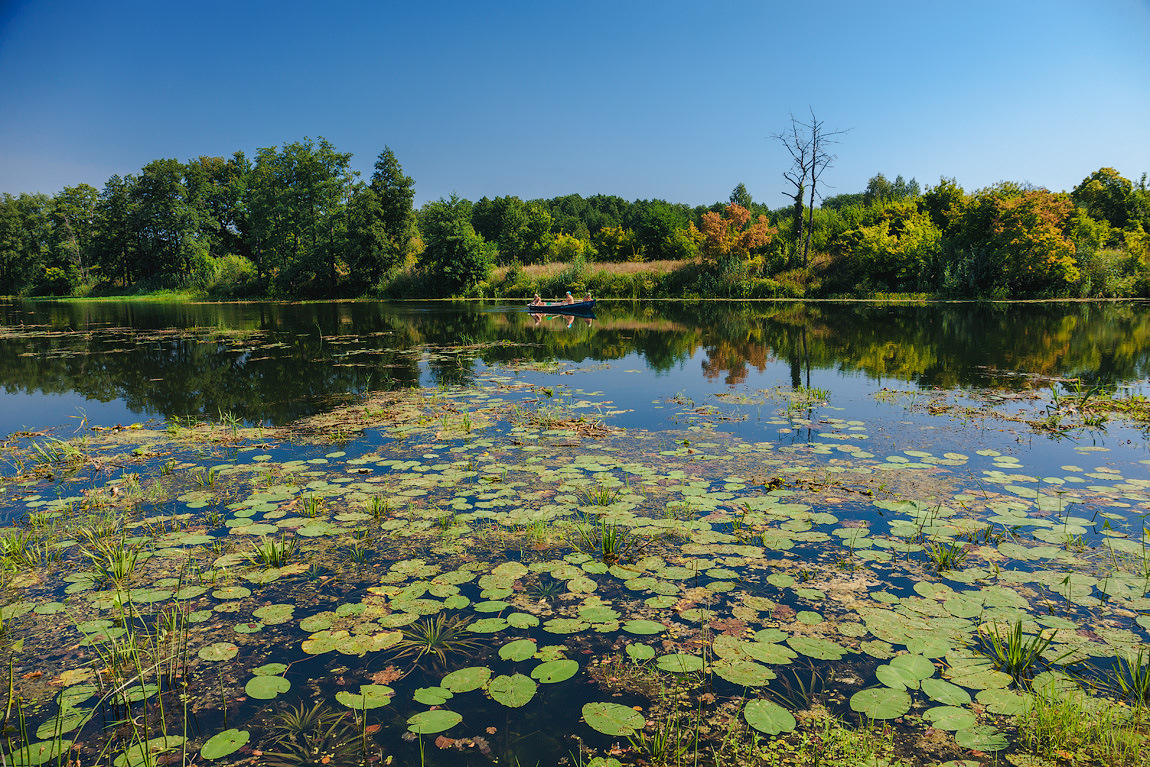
<point x="275" y="362"/>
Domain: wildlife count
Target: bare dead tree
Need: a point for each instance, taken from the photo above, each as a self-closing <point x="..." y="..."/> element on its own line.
<point x="807" y="143"/>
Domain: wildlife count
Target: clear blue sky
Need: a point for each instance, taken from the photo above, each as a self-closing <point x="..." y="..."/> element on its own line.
<point x="667" y="99"/>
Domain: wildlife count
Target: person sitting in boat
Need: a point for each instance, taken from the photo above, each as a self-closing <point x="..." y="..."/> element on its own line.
<point x="569" y="299"/>
<point x="587" y="298"/>
<point x="537" y="301"/>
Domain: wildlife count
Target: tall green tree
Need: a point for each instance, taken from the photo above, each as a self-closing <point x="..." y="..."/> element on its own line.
<point x="381" y="222"/>
<point x="455" y="256"/>
<point x="73" y="221"/>
<point x="117" y="249"/>
<point x="741" y="197"/>
<point x="25" y="241"/>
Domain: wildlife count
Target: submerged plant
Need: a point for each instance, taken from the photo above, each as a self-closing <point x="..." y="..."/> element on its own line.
<point x="303" y="736"/>
<point x="439" y="636"/>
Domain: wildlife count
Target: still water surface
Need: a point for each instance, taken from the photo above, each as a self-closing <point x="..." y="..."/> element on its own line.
<point x="787" y="466"/>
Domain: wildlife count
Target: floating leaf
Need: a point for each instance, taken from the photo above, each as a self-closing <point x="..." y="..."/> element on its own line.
<point x="270" y="669"/>
<point x="881" y="703"/>
<point x="768" y="717"/>
<point x="680" y="663"/>
<point x="555" y="671"/>
<point x="466" y="679"/>
<point x="640" y="652"/>
<point x="432" y="696"/>
<point x="517" y="650"/>
<point x="218" y="651"/>
<point x="266" y="687"/>
<point x="950" y="717"/>
<point x="744" y="673"/>
<point x="820" y="649"/>
<point x="981" y="737"/>
<point x="612" y="718"/>
<point x="224" y="743"/>
<point x="643" y="627"/>
<point x="512" y="691"/>
<point x="945" y="692"/>
<point x="369" y="696"/>
<point x="431" y="722"/>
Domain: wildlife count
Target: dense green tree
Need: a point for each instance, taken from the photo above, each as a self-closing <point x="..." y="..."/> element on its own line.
<point x="218" y="189"/>
<point x="455" y="257"/>
<point x="298" y="210"/>
<point x="740" y="196"/>
<point x="73" y="221"/>
<point x="25" y="241"/>
<point x="1105" y="195"/>
<point x="520" y="230"/>
<point x="381" y="222"/>
<point x="116" y="241"/>
<point x="169" y="223"/>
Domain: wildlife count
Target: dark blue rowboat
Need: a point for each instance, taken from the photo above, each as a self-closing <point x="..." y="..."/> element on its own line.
<point x="579" y="307"/>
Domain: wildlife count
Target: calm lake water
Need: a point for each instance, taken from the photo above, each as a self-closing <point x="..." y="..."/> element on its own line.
<point x="805" y="497"/>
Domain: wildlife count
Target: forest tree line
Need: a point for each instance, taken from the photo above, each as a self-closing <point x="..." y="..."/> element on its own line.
<point x="296" y="221"/>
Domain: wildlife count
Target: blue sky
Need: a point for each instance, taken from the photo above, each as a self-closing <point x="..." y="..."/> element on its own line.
<point x="663" y="99"/>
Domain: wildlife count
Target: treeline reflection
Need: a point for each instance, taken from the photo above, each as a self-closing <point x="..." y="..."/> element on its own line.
<point x="275" y="362"/>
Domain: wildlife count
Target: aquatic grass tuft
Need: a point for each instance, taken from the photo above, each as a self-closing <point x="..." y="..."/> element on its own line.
<point x="440" y="636"/>
<point x="113" y="560"/>
<point x="1132" y="677"/>
<point x="946" y="556"/>
<point x="311" y="506"/>
<point x="599" y="495"/>
<point x="311" y="736"/>
<point x="609" y="542"/>
<point x="272" y="553"/>
<point x="379" y="508"/>
<point x="1014" y="652"/>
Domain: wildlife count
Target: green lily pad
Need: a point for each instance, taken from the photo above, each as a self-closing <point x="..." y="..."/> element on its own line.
<point x="224" y="743"/>
<point x="466" y="679"/>
<point x="66" y="720"/>
<point x="640" y="652"/>
<point x="881" y="703"/>
<point x="218" y="651"/>
<point x="612" y="718"/>
<point x="488" y="625"/>
<point x="266" y="687"/>
<point x="950" y="717"/>
<point x="643" y="627"/>
<point x="744" y="673"/>
<point x="139" y="754"/>
<point x="270" y="669"/>
<point x="555" y="671"/>
<point x="981" y="738"/>
<point x="680" y="663"/>
<point x="35" y="754"/>
<point x="945" y="692"/>
<point x="819" y="649"/>
<point x="431" y="722"/>
<point x="768" y="717"/>
<point x="512" y="691"/>
<point x="517" y="650"/>
<point x="1005" y="702"/>
<point x="432" y="696"/>
<point x="369" y="696"/>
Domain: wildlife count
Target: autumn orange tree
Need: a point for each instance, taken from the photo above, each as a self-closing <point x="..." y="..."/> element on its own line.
<point x="1026" y="234"/>
<point x="733" y="234"/>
